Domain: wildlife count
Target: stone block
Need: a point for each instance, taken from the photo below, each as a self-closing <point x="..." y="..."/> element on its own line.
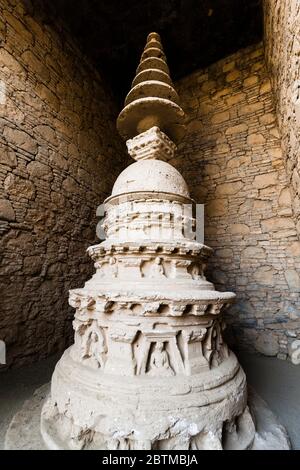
<point x="19" y="187"/>
<point x="264" y="275"/>
<point x="265" y="87"/>
<point x="253" y="252"/>
<point x="238" y="229"/>
<point x="267" y="343"/>
<point x="225" y="189"/>
<point x="277" y="223"/>
<point x="267" y="119"/>
<point x="266" y="180"/>
<point x="6" y="210"/>
<point x="284" y="198"/>
<point x="220" y="117"/>
<point x="233" y="75"/>
<point x="228" y="66"/>
<point x="20" y="139"/>
<point x="236" y="98"/>
<point x="238" y="129"/>
<point x="251" y="108"/>
<point x="250" y="81"/>
<point x="256" y="139"/>
<point x="293" y="279"/>
<point x="294" y="249"/>
<point x="216" y="208"/>
<point x="39" y="170"/>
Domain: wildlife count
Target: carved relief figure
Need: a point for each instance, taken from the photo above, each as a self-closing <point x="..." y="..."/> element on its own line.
<point x="113" y="266"/>
<point x="94" y="348"/>
<point x="215" y="350"/>
<point x="157" y="269"/>
<point x="99" y="266"/>
<point x="195" y="272"/>
<point x="159" y="361"/>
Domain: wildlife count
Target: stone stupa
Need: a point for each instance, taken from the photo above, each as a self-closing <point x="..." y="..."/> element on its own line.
<point x="149" y="368"/>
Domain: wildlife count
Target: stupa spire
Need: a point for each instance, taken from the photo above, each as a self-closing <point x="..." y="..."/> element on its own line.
<point x="152" y="100"/>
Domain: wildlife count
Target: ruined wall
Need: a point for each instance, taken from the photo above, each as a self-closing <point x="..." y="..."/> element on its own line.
<point x="282" y="51"/>
<point x="232" y="160"/>
<point x="60" y="155"/>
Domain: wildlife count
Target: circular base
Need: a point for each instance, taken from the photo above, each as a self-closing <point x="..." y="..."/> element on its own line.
<point x="24" y="430"/>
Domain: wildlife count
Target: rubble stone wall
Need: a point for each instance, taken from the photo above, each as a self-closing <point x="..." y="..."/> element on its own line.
<point x="232" y="160"/>
<point x="282" y="51"/>
<point x="60" y="155"/>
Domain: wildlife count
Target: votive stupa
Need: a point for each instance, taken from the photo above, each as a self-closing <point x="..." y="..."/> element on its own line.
<point x="149" y="368"/>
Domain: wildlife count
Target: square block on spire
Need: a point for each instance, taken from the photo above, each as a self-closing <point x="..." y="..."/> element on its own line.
<point x="151" y="144"/>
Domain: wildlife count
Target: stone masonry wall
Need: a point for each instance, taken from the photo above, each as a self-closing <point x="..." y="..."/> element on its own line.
<point x="60" y="155"/>
<point x="232" y="160"/>
<point x="282" y="51"/>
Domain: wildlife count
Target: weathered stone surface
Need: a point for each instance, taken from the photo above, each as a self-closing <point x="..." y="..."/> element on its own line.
<point x="135" y="257"/>
<point x="277" y="223"/>
<point x="264" y="275"/>
<point x="293" y="279"/>
<point x="6" y="210"/>
<point x="294" y="249"/>
<point x="285" y="198"/>
<point x="238" y="229"/>
<point x="224" y="189"/>
<point x="246" y="186"/>
<point x="267" y="344"/>
<point x="24" y="431"/>
<point x="19" y="187"/>
<point x="220" y="117"/>
<point x="250" y="81"/>
<point x="52" y="95"/>
<point x="255" y="139"/>
<point x="236" y="98"/>
<point x="234" y="75"/>
<point x="20" y="139"/>
<point x="39" y="170"/>
<point x="282" y="30"/>
<point x="236" y="129"/>
<point x="264" y="181"/>
<point x="253" y="252"/>
<point x="216" y="207"/>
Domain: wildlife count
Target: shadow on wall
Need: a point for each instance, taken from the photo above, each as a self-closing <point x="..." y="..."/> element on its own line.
<point x="232" y="160"/>
<point x="60" y="155"/>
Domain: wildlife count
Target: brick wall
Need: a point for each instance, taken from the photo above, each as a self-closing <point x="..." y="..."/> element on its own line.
<point x="232" y="160"/>
<point x="60" y="155"/>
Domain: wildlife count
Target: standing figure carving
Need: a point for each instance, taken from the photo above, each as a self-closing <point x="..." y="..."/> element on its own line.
<point x="94" y="347"/>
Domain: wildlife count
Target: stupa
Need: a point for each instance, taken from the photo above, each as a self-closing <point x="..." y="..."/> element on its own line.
<point x="149" y="368"/>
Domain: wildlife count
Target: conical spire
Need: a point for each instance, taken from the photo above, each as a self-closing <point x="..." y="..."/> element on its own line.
<point x="152" y="100"/>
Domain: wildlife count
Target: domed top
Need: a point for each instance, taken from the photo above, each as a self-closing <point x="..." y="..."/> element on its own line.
<point x="150" y="176"/>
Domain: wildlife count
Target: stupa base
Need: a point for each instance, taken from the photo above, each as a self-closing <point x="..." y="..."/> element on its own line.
<point x="24" y="432"/>
<point x="92" y="409"/>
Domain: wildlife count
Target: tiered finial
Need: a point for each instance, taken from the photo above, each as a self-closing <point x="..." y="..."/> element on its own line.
<point x="152" y="100"/>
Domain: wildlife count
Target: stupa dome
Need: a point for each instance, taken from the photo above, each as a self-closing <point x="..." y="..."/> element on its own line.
<point x="150" y="176"/>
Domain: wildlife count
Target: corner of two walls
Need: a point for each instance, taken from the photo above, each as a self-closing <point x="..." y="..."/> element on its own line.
<point x="233" y="162"/>
<point x="60" y="154"/>
<point x="282" y="52"/>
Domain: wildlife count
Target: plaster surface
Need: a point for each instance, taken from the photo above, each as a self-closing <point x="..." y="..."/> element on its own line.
<point x="275" y="381"/>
